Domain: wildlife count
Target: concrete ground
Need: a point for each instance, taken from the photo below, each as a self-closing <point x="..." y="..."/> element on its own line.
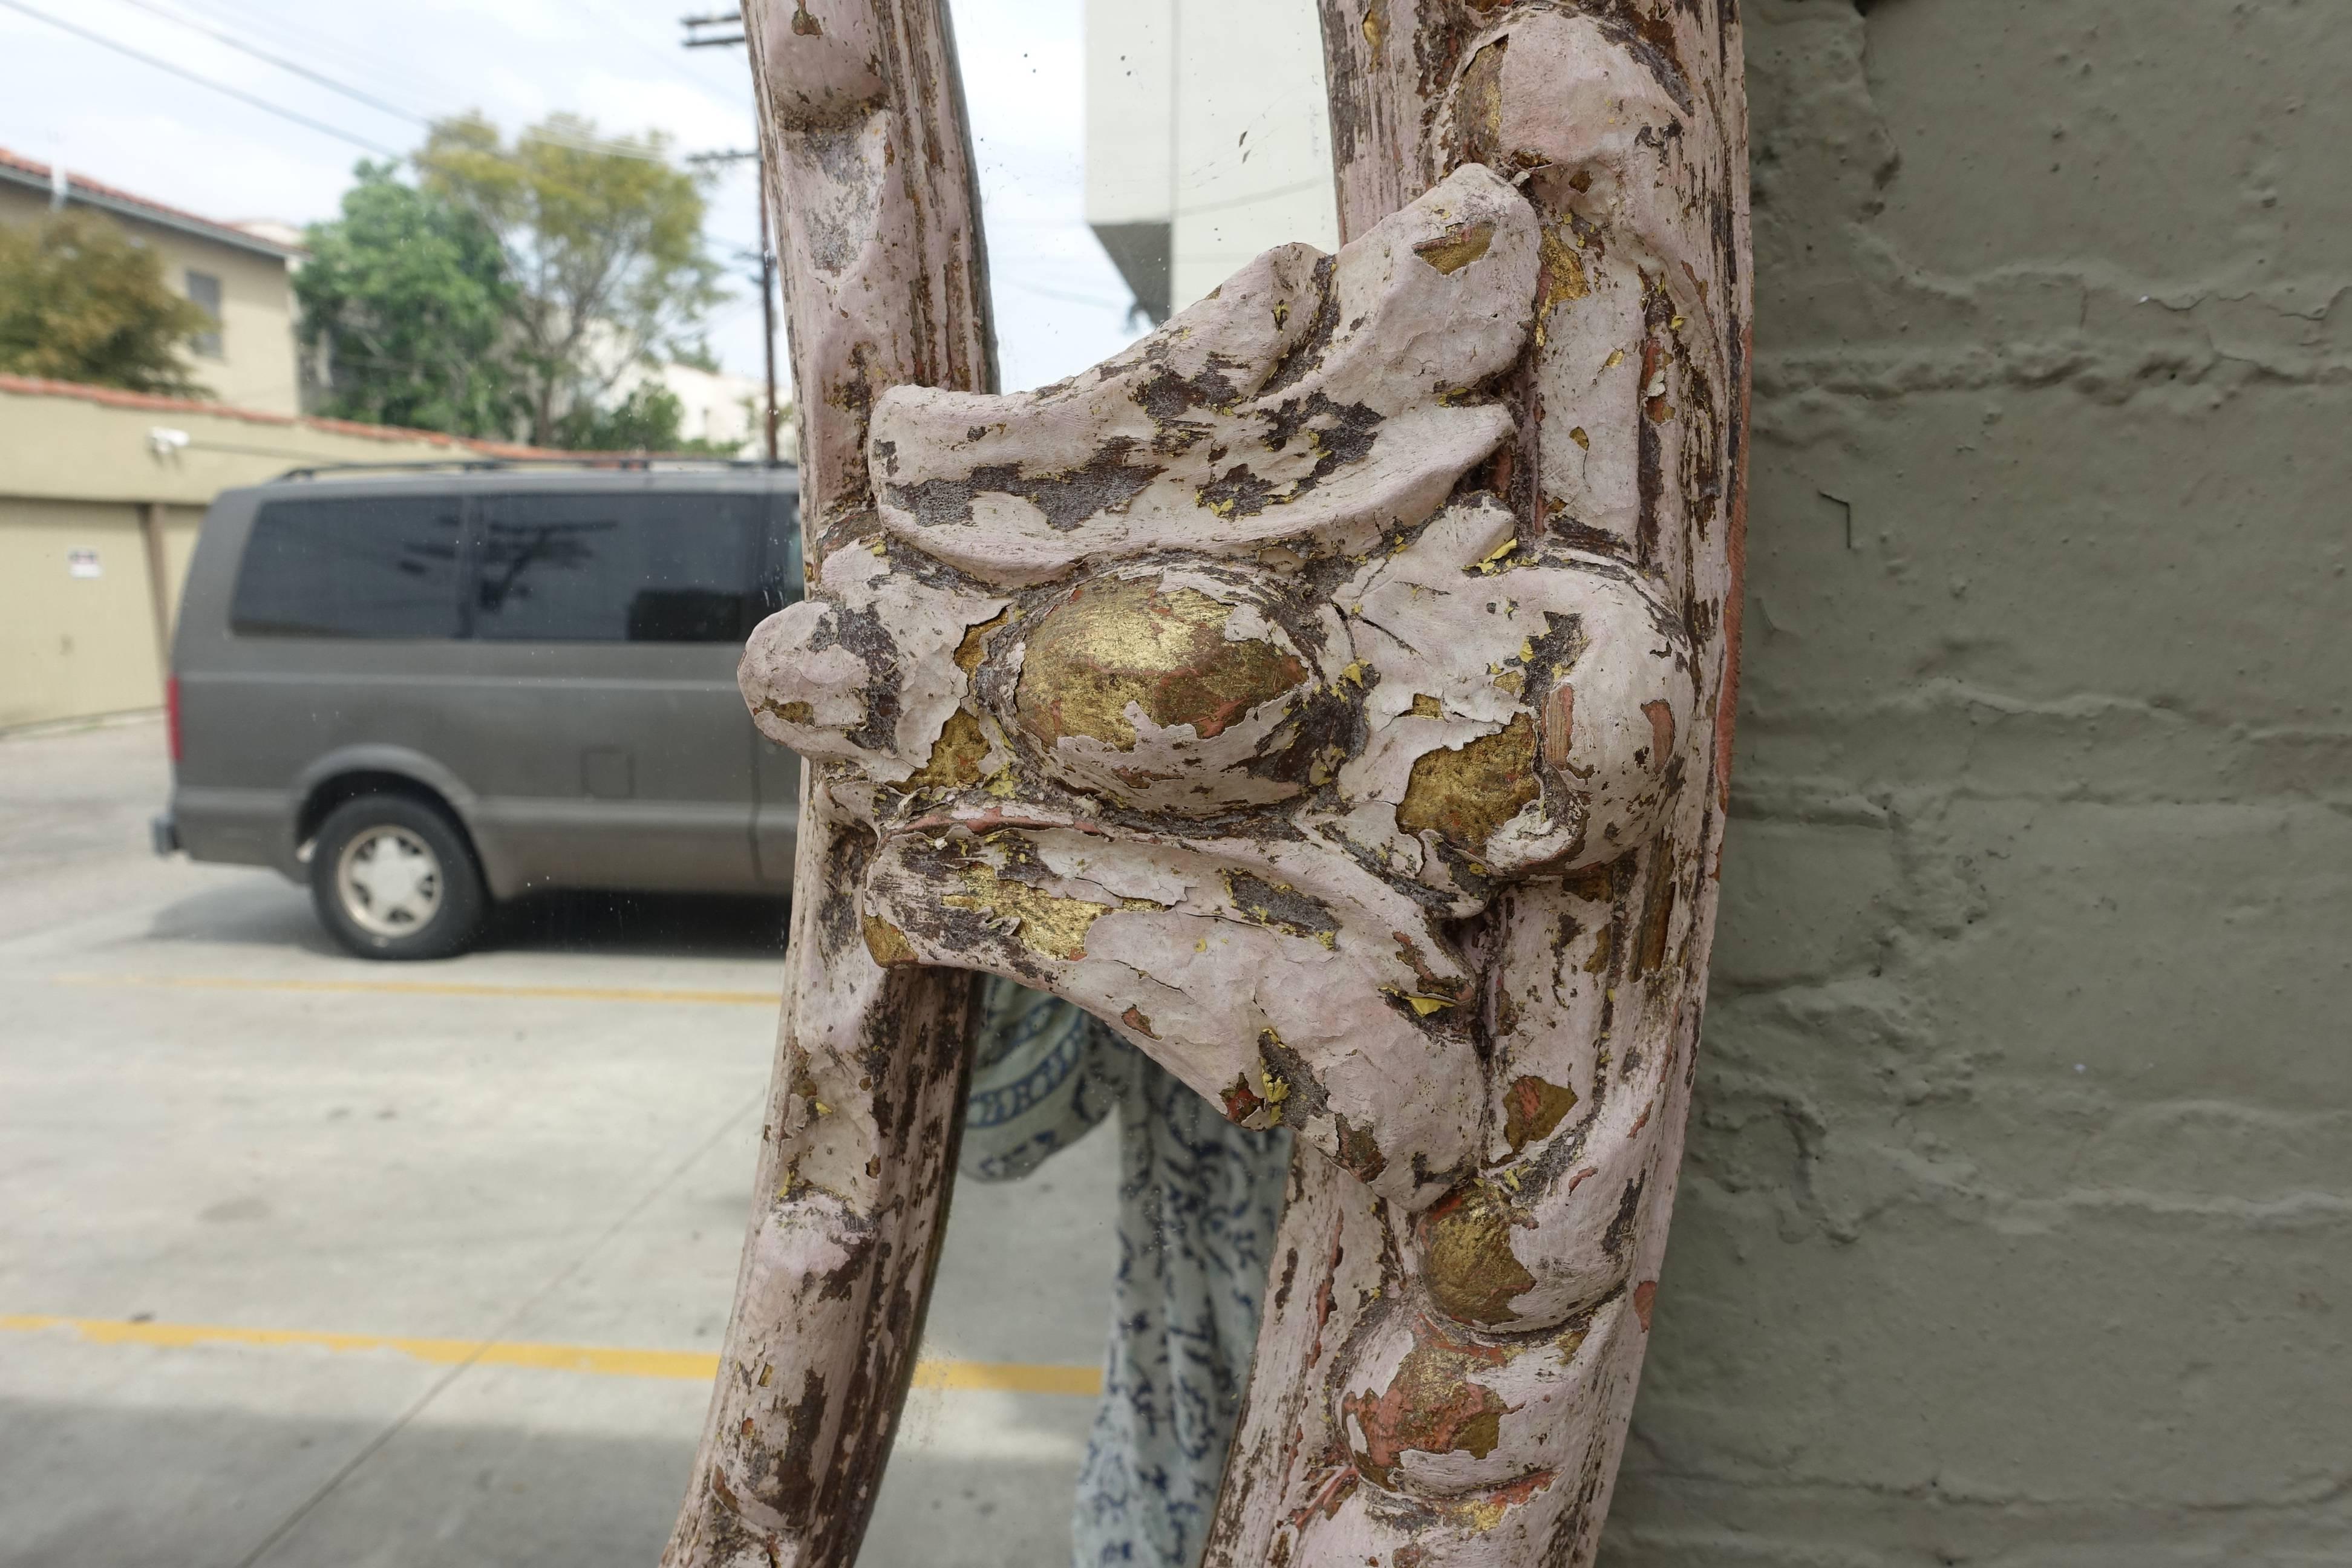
<point x="262" y="1207"/>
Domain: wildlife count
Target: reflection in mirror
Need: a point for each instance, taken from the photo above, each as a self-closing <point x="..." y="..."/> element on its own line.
<point x="1108" y="1239"/>
<point x="397" y="1117"/>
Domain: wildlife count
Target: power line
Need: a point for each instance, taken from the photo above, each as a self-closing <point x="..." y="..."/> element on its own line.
<point x="577" y="144"/>
<point x="698" y="38"/>
<point x="331" y="50"/>
<point x="620" y="17"/>
<point x="1028" y="288"/>
<point x="695" y="38"/>
<point x="325" y="51"/>
<point x="223" y="36"/>
<point x="186" y="75"/>
<point x="582" y="144"/>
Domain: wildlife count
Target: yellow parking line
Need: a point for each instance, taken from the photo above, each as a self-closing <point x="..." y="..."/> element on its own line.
<point x="430" y="988"/>
<point x="600" y="1361"/>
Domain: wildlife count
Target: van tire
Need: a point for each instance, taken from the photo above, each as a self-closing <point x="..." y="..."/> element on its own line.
<point x="394" y="877"/>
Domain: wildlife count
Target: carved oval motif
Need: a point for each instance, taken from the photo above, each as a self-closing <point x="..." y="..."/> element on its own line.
<point x="1172" y="696"/>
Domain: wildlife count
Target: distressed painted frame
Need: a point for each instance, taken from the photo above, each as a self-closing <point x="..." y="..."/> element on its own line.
<point x="1332" y="693"/>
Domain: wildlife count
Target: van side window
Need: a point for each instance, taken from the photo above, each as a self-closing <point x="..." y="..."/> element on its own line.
<point x="363" y="567"/>
<point x="615" y="568"/>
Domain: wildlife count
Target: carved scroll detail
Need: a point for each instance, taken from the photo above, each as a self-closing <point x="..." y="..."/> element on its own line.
<point x="1244" y="787"/>
<point x="1332" y="694"/>
<point x="885" y="284"/>
<point x="1455" y="1387"/>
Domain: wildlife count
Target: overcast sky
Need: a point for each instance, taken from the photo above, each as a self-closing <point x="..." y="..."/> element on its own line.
<point x="1060" y="305"/>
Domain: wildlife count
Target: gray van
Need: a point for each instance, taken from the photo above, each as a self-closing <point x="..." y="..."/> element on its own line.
<point x="422" y="692"/>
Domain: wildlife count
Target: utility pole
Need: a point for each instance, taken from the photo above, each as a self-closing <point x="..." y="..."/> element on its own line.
<point x="698" y="36"/>
<point x="767" y="281"/>
<point x="767" y="304"/>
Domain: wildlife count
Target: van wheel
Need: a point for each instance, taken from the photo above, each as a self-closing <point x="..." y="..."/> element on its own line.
<point x="393" y="877"/>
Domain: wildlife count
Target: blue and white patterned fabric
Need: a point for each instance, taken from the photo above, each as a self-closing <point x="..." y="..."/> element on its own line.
<point x="1197" y="1202"/>
<point x="1040" y="1078"/>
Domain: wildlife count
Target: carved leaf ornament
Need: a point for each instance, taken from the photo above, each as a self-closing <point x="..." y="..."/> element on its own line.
<point x="1328" y="693"/>
<point x="1247" y="713"/>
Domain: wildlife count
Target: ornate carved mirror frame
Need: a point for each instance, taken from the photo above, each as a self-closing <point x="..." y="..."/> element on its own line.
<point x="1332" y="692"/>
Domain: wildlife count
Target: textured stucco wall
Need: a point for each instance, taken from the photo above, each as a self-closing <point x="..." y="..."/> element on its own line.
<point x="2017" y="1222"/>
<point x="258" y="366"/>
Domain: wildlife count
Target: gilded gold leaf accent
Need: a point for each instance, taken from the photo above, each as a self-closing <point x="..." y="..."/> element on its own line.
<point x="1474" y="1276"/>
<point x="1433" y="1404"/>
<point x="1492" y="562"/>
<point x="1127" y="641"/>
<point x="1277" y="1090"/>
<point x="888" y="943"/>
<point x="1466" y="793"/>
<point x="1561" y="278"/>
<point x="975" y="647"/>
<point x="955" y="757"/>
<point x="1533" y="1109"/>
<point x="1457" y="247"/>
<point x="1045" y="923"/>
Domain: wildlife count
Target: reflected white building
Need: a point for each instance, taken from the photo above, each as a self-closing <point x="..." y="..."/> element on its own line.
<point x="1208" y="139"/>
<point x="717" y="406"/>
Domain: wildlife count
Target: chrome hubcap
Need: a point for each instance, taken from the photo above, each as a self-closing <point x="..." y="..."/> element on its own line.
<point x="389" y="881"/>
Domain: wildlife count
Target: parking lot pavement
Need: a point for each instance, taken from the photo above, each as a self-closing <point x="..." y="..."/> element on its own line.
<point x="306" y="1260"/>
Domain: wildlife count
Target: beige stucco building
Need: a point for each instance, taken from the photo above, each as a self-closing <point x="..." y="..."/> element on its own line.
<point x="243" y="277"/>
<point x="101" y="493"/>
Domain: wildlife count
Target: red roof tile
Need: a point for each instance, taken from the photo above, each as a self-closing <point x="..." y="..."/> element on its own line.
<point x="228" y="233"/>
<point x="115" y="397"/>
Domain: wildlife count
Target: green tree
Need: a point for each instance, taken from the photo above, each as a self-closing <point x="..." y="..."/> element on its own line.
<point x="603" y="245"/>
<point x="649" y="419"/>
<point x="408" y="293"/>
<point x="82" y="301"/>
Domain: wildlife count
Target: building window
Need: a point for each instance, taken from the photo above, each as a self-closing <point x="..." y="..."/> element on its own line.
<point x="204" y="293"/>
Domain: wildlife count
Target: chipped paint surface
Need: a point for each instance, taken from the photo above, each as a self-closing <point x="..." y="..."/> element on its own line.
<point x="1325" y="693"/>
<point x="1623" y="125"/>
<point x="1165" y="786"/>
<point x="874" y="201"/>
<point x="1432" y="1404"/>
<point x="1457" y="247"/>
<point x="1300" y="401"/>
<point x="1532" y="1109"/>
<point x="1047" y="924"/>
